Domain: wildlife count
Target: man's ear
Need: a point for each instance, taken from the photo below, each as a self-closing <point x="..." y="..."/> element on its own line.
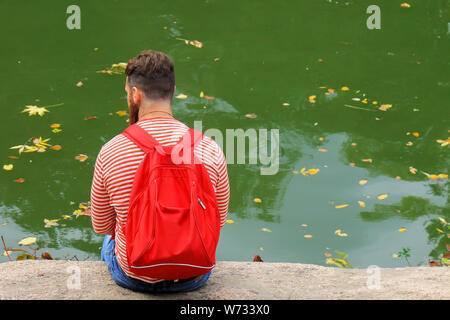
<point x="136" y="96"/>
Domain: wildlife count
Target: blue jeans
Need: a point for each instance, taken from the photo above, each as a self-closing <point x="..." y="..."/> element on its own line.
<point x="108" y="255"/>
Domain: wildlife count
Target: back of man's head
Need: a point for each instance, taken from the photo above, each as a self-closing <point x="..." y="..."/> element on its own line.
<point x="153" y="73"/>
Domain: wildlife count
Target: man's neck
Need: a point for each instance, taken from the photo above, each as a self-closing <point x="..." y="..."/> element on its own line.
<point x="153" y="109"/>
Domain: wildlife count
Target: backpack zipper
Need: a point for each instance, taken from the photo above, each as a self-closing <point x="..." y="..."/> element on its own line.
<point x="201" y="203"/>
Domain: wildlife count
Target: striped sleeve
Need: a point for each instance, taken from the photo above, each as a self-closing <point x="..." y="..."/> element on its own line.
<point x="103" y="214"/>
<point x="222" y="185"/>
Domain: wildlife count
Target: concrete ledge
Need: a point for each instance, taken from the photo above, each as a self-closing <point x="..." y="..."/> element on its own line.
<point x="46" y="279"/>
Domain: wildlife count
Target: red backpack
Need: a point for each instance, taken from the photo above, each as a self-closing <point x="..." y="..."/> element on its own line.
<point x="173" y="223"/>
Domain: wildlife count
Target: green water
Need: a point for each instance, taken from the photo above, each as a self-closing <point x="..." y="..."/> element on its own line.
<point x="268" y="55"/>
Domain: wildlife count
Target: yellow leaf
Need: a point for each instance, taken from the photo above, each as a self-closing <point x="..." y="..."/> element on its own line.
<point x="415" y="134"/>
<point x="266" y="230"/>
<point x="202" y="94"/>
<point x="313" y="171"/>
<point x="439" y="230"/>
<point x="257" y="200"/>
<point x="285" y="104"/>
<point x="402" y="230"/>
<point x="362" y="181"/>
<point x="405" y="5"/>
<point x="362" y="204"/>
<point x="412" y="170"/>
<point x="443" y="220"/>
<point x="229" y="221"/>
<point x="307" y="236"/>
<point x="443" y="176"/>
<point x="304" y="225"/>
<point x="55" y="125"/>
<point x="385" y="107"/>
<point x="250" y="115"/>
<point x="34" y="110"/>
<point x="121" y="113"/>
<point x="322" y="150"/>
<point x="367" y="160"/>
<point x="345" y="89"/>
<point x="382" y="196"/>
<point x="341" y="206"/>
<point x="27" y="241"/>
<point x="181" y="96"/>
<point x="8" y="167"/>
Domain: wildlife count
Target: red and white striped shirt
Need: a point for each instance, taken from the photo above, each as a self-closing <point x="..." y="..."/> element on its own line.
<point x="114" y="173"/>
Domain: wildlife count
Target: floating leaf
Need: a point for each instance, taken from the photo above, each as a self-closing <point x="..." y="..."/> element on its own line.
<point x="312" y="99"/>
<point x="56" y="147"/>
<point x="266" y="230"/>
<point x="81" y="157"/>
<point x="367" y="160"/>
<point x="416" y="134"/>
<point x="382" y="196"/>
<point x="308" y="236"/>
<point x="250" y="115"/>
<point x="444" y="142"/>
<point x="345" y="89"/>
<point x="257" y="200"/>
<point x="402" y="230"/>
<point x="121" y="113"/>
<point x="8" y="167"/>
<point x="405" y="5"/>
<point x="412" y="170"/>
<point x="439" y="230"/>
<point x="285" y="104"/>
<point x="90" y="118"/>
<point x="322" y="150"/>
<point x="34" y="110"/>
<point x="20" y="180"/>
<point x="443" y="220"/>
<point x="362" y="181"/>
<point x="27" y="241"/>
<point x="340" y="233"/>
<point x="79" y="84"/>
<point x="385" y="107"/>
<point x="51" y="223"/>
<point x="361" y="204"/>
<point x="229" y="221"/>
<point x="194" y="43"/>
<point x="181" y="96"/>
<point x="341" y="206"/>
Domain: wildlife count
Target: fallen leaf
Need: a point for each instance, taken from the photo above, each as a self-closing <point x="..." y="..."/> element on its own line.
<point x="285" y="104"/>
<point x="412" y="170"/>
<point x="341" y="206"/>
<point x="79" y="84"/>
<point x="402" y="230"/>
<point x="304" y="225"/>
<point x="312" y="99"/>
<point x="8" y="167"/>
<point x="257" y="258"/>
<point x="121" y="113"/>
<point x="266" y="230"/>
<point x="444" y="142"/>
<point x="362" y="181"/>
<point x="181" y="96"/>
<point x="382" y="196"/>
<point x="81" y="157"/>
<point x="34" y="110"/>
<point x="405" y="5"/>
<point x="345" y="89"/>
<point x="27" y="241"/>
<point x="46" y="256"/>
<point x="90" y="118"/>
<point x="51" y="223"/>
<point x="439" y="230"/>
<point x="56" y="147"/>
<point x="257" y="200"/>
<point x="13" y="157"/>
<point x="367" y="160"/>
<point x="55" y="125"/>
<point x="250" y="115"/>
<point x="308" y="236"/>
<point x="361" y="204"/>
<point x="385" y="107"/>
<point x="340" y="233"/>
<point x="229" y="221"/>
<point x="415" y="134"/>
<point x="322" y="150"/>
<point x="20" y="180"/>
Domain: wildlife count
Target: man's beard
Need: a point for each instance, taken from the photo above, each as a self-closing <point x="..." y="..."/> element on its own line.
<point x="134" y="113"/>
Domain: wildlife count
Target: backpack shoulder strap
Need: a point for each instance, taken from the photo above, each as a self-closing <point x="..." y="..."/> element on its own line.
<point x="141" y="138"/>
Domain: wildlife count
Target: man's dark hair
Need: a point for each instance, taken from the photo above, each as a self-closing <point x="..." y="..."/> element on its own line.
<point x="153" y="73"/>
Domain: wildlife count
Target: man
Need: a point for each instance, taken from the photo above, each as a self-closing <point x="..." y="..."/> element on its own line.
<point x="150" y="85"/>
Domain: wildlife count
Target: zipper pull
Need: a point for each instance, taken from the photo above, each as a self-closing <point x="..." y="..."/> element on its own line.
<point x="201" y="203"/>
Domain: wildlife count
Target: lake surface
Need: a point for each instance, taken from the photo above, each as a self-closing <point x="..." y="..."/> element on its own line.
<point x="264" y="58"/>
